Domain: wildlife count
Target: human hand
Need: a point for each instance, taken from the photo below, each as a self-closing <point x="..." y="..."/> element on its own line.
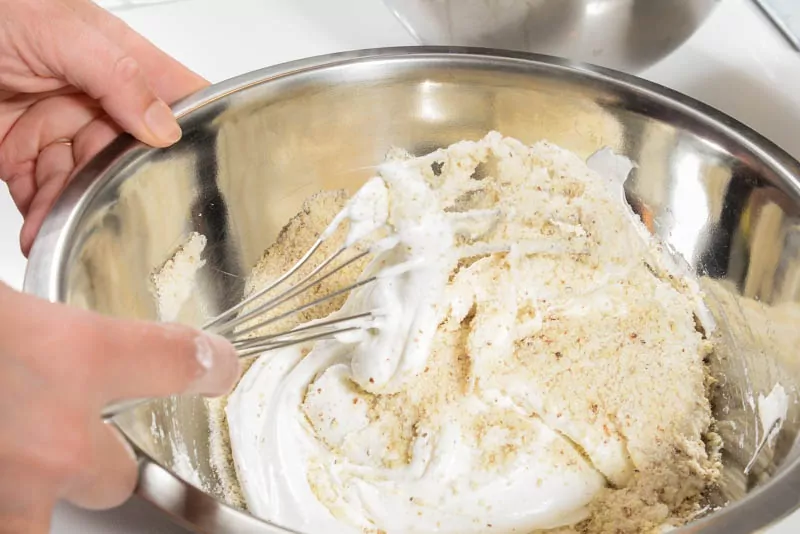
<point x="58" y="367"/>
<point x="72" y="77"/>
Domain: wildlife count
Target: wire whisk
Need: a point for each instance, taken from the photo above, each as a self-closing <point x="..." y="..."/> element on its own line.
<point x="237" y="324"/>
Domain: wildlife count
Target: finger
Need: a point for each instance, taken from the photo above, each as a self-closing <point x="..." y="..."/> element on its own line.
<point x="22" y="190"/>
<point x="157" y="360"/>
<point x="54" y="173"/>
<point x="55" y="117"/>
<point x="53" y="169"/>
<point x="105" y="72"/>
<point x="111" y="359"/>
<point x="94" y="137"/>
<point x="169" y="79"/>
<point x="112" y="477"/>
<point x="49" y="119"/>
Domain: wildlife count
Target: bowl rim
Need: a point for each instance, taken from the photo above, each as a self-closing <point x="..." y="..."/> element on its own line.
<point x="193" y="508"/>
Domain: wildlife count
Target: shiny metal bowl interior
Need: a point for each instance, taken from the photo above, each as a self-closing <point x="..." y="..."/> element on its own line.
<point x="628" y="35"/>
<point x="256" y="146"/>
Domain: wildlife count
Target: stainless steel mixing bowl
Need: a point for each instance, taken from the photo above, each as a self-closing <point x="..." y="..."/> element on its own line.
<point x="256" y="146"/>
<point x="628" y="35"/>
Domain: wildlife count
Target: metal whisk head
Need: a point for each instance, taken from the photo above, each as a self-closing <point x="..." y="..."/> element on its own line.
<point x="236" y="326"/>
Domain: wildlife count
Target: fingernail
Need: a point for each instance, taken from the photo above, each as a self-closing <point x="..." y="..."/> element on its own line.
<point x="219" y="365"/>
<point x="162" y="123"/>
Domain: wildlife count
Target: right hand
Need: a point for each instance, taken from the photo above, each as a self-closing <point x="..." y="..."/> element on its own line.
<point x="58" y="367"/>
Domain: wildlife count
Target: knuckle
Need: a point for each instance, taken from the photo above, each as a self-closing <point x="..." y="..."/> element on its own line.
<point x="126" y="69"/>
<point x="81" y="347"/>
<point x="48" y="359"/>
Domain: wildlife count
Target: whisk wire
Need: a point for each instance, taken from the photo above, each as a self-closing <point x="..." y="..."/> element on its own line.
<point x="253" y="341"/>
<point x="293" y="311"/>
<point x="306" y="283"/>
<point x="278" y="345"/>
<point x="210" y="325"/>
<point x="228" y="323"/>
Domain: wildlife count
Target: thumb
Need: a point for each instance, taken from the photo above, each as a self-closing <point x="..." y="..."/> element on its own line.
<point x="109" y="359"/>
<point x="59" y="366"/>
<point x="102" y="70"/>
<point x="141" y="359"/>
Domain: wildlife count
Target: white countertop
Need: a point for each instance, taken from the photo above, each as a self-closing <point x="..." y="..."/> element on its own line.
<point x="737" y="62"/>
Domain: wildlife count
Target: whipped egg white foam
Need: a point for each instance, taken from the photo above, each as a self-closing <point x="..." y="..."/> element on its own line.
<point x="309" y="445"/>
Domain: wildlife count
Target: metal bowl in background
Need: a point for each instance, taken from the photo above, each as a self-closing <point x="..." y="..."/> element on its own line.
<point x="256" y="146"/>
<point x="628" y="35"/>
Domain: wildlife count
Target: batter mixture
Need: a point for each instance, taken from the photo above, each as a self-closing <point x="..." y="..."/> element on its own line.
<point x="536" y="360"/>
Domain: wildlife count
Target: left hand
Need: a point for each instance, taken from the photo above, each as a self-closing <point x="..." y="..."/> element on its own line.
<point x="72" y="78"/>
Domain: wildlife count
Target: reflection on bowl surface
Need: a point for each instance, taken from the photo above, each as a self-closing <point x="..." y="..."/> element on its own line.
<point x="256" y="147"/>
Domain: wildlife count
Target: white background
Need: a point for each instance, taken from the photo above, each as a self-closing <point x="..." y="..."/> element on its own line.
<point x="737" y="62"/>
